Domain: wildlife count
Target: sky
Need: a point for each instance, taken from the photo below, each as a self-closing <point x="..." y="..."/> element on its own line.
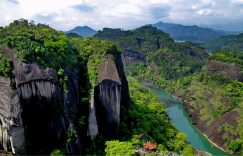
<point x="126" y="14"/>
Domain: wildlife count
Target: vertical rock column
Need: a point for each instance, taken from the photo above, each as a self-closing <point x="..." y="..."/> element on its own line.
<point x="12" y="136"/>
<point x="107" y="100"/>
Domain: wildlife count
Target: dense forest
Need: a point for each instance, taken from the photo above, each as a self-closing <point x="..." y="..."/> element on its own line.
<point x="40" y="48"/>
<point x="209" y="85"/>
<point x="154" y="126"/>
<point x="229" y="42"/>
<point x="88" y="72"/>
<point x="192" y="33"/>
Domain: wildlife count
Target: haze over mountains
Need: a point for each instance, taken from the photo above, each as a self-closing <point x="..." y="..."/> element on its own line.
<point x="229" y="42"/>
<point x="121" y="77"/>
<point x="50" y="77"/>
<point x="83" y="31"/>
<point x="189" y="33"/>
<point x="178" y="32"/>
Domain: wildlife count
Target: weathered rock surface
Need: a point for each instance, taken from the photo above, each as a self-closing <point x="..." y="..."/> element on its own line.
<point x="11" y="125"/>
<point x="212" y="131"/>
<point x="229" y="70"/>
<point x="130" y="56"/>
<point x="36" y="112"/>
<point x="110" y="95"/>
<point x="36" y="117"/>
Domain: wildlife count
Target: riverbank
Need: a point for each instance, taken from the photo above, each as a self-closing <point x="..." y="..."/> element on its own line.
<point x="214" y="143"/>
<point x="180" y="118"/>
<point x="196" y="124"/>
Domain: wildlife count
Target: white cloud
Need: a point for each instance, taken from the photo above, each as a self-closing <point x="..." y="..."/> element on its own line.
<point x="237" y="2"/>
<point x="8" y="12"/>
<point x="65" y="14"/>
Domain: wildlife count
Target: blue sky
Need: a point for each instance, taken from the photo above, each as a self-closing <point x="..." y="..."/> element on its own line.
<point x="127" y="14"/>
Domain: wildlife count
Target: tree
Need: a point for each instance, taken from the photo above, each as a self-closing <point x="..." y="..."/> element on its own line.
<point x="235" y="145"/>
<point x="119" y="148"/>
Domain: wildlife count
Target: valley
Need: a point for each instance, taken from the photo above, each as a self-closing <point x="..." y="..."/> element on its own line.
<point x="90" y="95"/>
<point x="209" y="85"/>
<point x="179" y="116"/>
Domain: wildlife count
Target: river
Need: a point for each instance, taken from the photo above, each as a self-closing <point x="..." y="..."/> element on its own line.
<point x="181" y="121"/>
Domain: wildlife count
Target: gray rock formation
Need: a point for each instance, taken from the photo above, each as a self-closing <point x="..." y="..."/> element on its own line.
<point x="36" y="113"/>
<point x="109" y="96"/>
<point x="11" y="125"/>
<point x="37" y="116"/>
<point x="229" y="70"/>
<point x="93" y="126"/>
<point x="130" y="56"/>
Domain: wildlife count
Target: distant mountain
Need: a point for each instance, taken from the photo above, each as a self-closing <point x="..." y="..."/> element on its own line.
<point x="189" y="33"/>
<point x="230" y="42"/>
<point x="73" y="35"/>
<point x="82" y="31"/>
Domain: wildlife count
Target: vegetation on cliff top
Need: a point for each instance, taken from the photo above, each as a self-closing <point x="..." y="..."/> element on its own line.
<point x="91" y="53"/>
<point x="178" y="67"/>
<point x="5" y="65"/>
<point x="38" y="43"/>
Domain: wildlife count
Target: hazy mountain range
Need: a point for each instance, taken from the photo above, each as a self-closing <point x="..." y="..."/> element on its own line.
<point x="83" y="31"/>
<point x="190" y="33"/>
<point x="229" y="42"/>
<point x="178" y="32"/>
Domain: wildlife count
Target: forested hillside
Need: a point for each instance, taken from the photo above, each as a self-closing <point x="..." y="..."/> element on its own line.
<point x="167" y="59"/>
<point x="64" y="95"/>
<point x="230" y="42"/>
<point x="189" y="33"/>
<point x="214" y="99"/>
<point x="210" y="86"/>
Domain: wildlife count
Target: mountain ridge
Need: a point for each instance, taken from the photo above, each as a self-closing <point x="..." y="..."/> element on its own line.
<point x="83" y="31"/>
<point x="229" y="42"/>
<point x="189" y="33"/>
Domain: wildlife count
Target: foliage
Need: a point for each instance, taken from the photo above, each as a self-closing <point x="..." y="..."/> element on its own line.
<point x="38" y="43"/>
<point x="154" y="125"/>
<point x="71" y="137"/>
<point x="171" y="60"/>
<point x="228" y="56"/>
<point x="181" y="68"/>
<point x="229" y="42"/>
<point x="63" y="79"/>
<point x="91" y="53"/>
<point x="57" y="152"/>
<point x="119" y="148"/>
<point x="145" y="39"/>
<point x="189" y="33"/>
<point x="111" y="34"/>
<point x="214" y="95"/>
<point x="236" y="146"/>
<point x="5" y="66"/>
<point x="81" y="121"/>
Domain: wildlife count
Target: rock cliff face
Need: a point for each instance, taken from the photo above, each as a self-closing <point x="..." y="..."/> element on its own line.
<point x="229" y="70"/>
<point x="212" y="131"/>
<point x="11" y="125"/>
<point x="36" y="117"/>
<point x="36" y="112"/>
<point x="109" y="96"/>
<point x="130" y="56"/>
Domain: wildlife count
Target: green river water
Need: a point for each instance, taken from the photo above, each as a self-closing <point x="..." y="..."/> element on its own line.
<point x="181" y="121"/>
